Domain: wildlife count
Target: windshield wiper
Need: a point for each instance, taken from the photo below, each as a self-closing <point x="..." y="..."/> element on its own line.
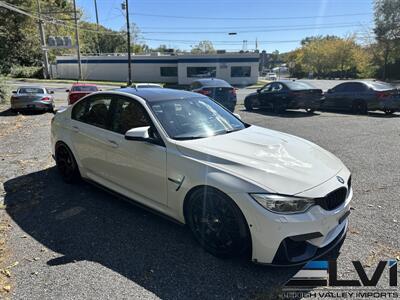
<point x="227" y="131"/>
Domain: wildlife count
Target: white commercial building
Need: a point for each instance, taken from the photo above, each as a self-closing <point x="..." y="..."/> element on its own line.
<point x="235" y="68"/>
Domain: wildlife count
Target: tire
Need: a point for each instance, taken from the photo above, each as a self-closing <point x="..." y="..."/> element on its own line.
<point x="217" y="223"/>
<point x="389" y="111"/>
<point x="248" y="104"/>
<point x="310" y="110"/>
<point x="66" y="164"/>
<point x="360" y="107"/>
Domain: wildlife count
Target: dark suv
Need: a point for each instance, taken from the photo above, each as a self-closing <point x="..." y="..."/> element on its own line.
<point x="362" y="96"/>
<point x="217" y="89"/>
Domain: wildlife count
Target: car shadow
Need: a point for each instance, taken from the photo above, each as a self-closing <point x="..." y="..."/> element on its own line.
<point x="374" y="114"/>
<point x="285" y="114"/>
<point x="84" y="223"/>
<point x="9" y="113"/>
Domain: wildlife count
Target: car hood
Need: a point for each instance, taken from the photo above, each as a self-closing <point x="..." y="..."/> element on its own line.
<point x="276" y="161"/>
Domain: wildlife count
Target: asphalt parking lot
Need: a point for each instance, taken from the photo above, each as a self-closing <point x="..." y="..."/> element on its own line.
<point x="76" y="241"/>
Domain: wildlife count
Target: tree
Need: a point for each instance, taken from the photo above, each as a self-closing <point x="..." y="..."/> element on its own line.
<point x="203" y="47"/>
<point x="387" y="29"/>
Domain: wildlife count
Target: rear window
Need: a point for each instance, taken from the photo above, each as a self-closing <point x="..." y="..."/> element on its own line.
<point x="296" y="85"/>
<point x="382" y="86"/>
<point x="31" y="91"/>
<point x="214" y="82"/>
<point x="84" y="88"/>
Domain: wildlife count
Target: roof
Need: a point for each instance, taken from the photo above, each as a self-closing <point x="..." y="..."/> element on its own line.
<point x="31" y="87"/>
<point x="157" y="94"/>
<point x="212" y="82"/>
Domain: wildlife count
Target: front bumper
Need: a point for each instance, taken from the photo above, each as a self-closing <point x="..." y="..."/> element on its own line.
<point x="294" y="239"/>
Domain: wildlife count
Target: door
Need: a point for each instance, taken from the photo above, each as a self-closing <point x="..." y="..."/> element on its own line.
<point x="278" y="95"/>
<point x="137" y="168"/>
<point x="89" y="126"/>
<point x="335" y="99"/>
<point x="265" y="95"/>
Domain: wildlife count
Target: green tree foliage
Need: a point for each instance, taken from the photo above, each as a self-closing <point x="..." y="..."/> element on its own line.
<point x="203" y="47"/>
<point x="20" y="42"/>
<point x="387" y="32"/>
<point x="330" y="56"/>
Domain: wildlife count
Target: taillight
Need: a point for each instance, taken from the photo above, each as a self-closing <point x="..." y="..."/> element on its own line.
<point x="382" y="95"/>
<point x="204" y="92"/>
<point x="45" y="99"/>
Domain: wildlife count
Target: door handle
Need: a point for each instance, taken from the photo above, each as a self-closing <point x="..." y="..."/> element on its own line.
<point x="113" y="144"/>
<point x="75" y="128"/>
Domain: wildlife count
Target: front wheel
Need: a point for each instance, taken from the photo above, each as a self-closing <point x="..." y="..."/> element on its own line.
<point x="66" y="163"/>
<point x="249" y="104"/>
<point x="360" y="107"/>
<point x="217" y="223"/>
<point x="310" y="110"/>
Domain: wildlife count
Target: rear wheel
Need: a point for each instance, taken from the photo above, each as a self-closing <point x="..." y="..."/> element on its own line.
<point x="217" y="223"/>
<point x="389" y="111"/>
<point x="66" y="163"/>
<point x="360" y="107"/>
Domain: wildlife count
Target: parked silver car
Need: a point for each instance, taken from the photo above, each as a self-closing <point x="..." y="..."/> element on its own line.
<point x="32" y="98"/>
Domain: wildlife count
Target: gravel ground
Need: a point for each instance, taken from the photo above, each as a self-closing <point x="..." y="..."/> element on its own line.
<point x="76" y="241"/>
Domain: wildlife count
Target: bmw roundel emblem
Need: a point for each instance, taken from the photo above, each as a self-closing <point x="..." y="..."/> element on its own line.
<point x="340" y="179"/>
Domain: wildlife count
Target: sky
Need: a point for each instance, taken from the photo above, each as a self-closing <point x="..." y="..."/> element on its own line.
<point x="275" y="24"/>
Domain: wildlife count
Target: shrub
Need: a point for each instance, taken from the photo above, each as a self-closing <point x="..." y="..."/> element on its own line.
<point x="4" y="90"/>
<point x="26" y="72"/>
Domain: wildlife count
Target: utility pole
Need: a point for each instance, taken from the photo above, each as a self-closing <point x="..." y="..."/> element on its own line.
<point x="97" y="26"/>
<point x="46" y="71"/>
<point x="78" y="49"/>
<point x="129" y="43"/>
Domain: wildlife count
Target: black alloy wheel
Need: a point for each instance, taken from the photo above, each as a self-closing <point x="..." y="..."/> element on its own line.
<point x="217" y="223"/>
<point x="360" y="107"/>
<point x="66" y="164"/>
<point x="389" y="111"/>
<point x="249" y="104"/>
<point x="310" y="110"/>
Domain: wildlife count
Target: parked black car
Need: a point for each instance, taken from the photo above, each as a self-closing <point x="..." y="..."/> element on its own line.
<point x="285" y="94"/>
<point x="217" y="89"/>
<point x="362" y="96"/>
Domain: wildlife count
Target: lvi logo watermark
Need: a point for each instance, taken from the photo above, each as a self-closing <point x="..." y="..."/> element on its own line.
<point x="324" y="273"/>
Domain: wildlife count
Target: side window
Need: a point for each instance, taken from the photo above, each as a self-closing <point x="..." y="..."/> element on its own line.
<point x="357" y="87"/>
<point x="93" y="111"/>
<point x="128" y="114"/>
<point x="266" y="88"/>
<point x="276" y="87"/>
<point x="340" y="88"/>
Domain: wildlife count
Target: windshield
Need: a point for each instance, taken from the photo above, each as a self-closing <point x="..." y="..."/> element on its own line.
<point x="382" y="86"/>
<point x="84" y="88"/>
<point x="194" y="118"/>
<point x="31" y="91"/>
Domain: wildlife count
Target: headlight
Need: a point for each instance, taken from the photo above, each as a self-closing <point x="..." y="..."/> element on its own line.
<point x="283" y="204"/>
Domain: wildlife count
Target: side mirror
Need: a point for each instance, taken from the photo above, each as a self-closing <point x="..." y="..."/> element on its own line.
<point x="67" y="91"/>
<point x="237" y="116"/>
<point x="14" y="92"/>
<point x="138" y="134"/>
<point x="258" y="90"/>
<point x="51" y="92"/>
<point x="329" y="91"/>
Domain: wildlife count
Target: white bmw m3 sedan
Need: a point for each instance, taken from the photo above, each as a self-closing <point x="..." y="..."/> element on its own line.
<point x="240" y="188"/>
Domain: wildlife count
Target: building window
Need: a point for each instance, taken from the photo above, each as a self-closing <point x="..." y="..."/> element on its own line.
<point x="201" y="72"/>
<point x="240" y="71"/>
<point x="169" y="71"/>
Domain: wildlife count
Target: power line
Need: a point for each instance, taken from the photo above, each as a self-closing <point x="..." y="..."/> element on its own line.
<point x="251" y="31"/>
<point x="247" y="18"/>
